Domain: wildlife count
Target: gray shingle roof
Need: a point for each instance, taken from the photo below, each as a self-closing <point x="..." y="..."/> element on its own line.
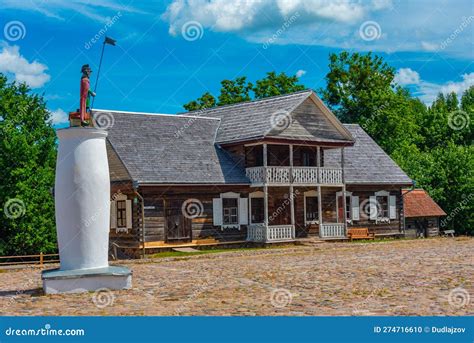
<point x="273" y="117"/>
<point x="170" y="148"/>
<point x="366" y="162"/>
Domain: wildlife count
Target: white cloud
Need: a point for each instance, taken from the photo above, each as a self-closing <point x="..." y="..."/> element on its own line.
<point x="59" y="116"/>
<point x="242" y="15"/>
<point x="13" y="63"/>
<point x="407" y="76"/>
<point x="428" y="91"/>
<point x="56" y="8"/>
<point x="404" y="25"/>
<point x="300" y="73"/>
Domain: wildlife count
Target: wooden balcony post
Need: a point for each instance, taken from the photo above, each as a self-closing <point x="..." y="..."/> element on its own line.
<point x="265" y="210"/>
<point x="265" y="163"/>
<point x="320" y="211"/>
<point x="318" y="162"/>
<point x="344" y="215"/>
<point x="41" y="259"/>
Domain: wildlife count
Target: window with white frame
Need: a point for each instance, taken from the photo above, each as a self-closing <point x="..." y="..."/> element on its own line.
<point x="311" y="207"/>
<point x="121" y="213"/>
<point x="230" y="210"/>
<point x="383" y="207"/>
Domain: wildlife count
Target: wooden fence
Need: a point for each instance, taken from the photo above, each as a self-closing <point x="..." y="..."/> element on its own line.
<point x="40" y="259"/>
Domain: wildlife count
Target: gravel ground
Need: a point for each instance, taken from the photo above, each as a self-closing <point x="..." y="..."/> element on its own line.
<point x="402" y="277"/>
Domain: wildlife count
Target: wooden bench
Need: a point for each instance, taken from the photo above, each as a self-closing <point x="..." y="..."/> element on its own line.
<point x="448" y="233"/>
<point x="360" y="233"/>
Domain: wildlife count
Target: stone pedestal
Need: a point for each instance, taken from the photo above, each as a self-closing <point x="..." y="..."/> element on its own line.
<point x="82" y="202"/>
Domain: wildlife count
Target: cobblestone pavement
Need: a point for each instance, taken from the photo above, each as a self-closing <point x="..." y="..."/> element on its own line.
<point x="404" y="277"/>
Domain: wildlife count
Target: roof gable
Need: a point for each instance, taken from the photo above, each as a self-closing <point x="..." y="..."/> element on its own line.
<point x="290" y="116"/>
<point x="310" y="121"/>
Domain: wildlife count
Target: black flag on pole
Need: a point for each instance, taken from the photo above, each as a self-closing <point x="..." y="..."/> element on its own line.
<point x="109" y="40"/>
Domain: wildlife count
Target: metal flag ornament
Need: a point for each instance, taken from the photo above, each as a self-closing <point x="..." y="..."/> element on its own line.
<point x="109" y="41"/>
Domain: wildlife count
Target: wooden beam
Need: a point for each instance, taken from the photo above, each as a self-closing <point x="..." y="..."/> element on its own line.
<point x="344" y="213"/>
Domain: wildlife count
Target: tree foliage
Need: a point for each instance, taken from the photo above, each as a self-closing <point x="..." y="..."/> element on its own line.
<point x="433" y="144"/>
<point x="27" y="162"/>
<point x="239" y="90"/>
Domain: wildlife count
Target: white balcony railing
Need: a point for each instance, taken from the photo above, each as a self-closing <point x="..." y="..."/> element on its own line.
<point x="270" y="234"/>
<point x="300" y="175"/>
<point x="334" y="230"/>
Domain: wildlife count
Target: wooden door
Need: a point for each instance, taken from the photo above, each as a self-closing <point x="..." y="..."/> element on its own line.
<point x="178" y="226"/>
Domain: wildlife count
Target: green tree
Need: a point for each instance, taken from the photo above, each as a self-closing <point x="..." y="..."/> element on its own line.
<point x="234" y="91"/>
<point x="27" y="162"/>
<point x="207" y="100"/>
<point x="358" y="85"/>
<point x="276" y="84"/>
<point x="239" y="90"/>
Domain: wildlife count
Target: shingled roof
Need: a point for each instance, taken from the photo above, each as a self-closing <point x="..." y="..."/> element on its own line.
<point x="170" y="149"/>
<point x="296" y="116"/>
<point x="366" y="162"/>
<point x="418" y="203"/>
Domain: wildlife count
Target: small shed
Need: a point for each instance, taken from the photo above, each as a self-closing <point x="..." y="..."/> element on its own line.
<point x="422" y="214"/>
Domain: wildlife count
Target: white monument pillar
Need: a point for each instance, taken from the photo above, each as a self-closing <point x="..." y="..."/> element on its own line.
<point x="82" y="202"/>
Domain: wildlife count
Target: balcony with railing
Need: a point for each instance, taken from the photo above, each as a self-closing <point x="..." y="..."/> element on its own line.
<point x="273" y="175"/>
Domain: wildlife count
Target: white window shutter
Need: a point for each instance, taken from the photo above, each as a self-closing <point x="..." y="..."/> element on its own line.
<point x="373" y="207"/>
<point x="113" y="215"/>
<point x="393" y="207"/>
<point x="355" y="208"/>
<point x="243" y="211"/>
<point x="217" y="211"/>
<point x="128" y="213"/>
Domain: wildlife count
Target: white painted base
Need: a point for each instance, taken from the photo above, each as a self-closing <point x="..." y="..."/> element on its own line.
<point x="76" y="281"/>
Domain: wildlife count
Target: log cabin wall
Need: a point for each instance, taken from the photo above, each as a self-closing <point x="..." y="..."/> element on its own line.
<point x="395" y="227"/>
<point x="157" y="198"/>
<point x="427" y="226"/>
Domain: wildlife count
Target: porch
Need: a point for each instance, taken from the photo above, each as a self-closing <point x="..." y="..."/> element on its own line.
<point x="286" y="233"/>
<point x="277" y="214"/>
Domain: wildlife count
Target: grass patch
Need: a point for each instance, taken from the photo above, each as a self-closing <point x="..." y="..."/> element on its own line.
<point x="208" y="251"/>
<point x="379" y="240"/>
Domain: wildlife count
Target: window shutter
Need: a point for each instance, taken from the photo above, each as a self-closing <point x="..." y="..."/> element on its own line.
<point x="217" y="211"/>
<point x="373" y="207"/>
<point x="128" y="213"/>
<point x="243" y="211"/>
<point x="393" y="207"/>
<point x="355" y="208"/>
<point x="113" y="215"/>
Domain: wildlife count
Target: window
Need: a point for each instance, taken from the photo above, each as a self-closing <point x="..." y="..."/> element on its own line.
<point x="311" y="209"/>
<point x="382" y="206"/>
<point x="257" y="210"/>
<point x="121" y="213"/>
<point x="308" y="158"/>
<point x="230" y="211"/>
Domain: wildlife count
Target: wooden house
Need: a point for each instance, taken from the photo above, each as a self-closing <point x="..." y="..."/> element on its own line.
<point x="271" y="170"/>
<point x="422" y="214"/>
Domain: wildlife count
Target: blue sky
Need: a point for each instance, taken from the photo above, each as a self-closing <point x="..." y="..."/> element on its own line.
<point x="170" y="52"/>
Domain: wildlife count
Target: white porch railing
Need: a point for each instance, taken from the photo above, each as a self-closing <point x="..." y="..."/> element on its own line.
<point x="305" y="175"/>
<point x="334" y="230"/>
<point x="330" y="175"/>
<point x="300" y="175"/>
<point x="270" y="234"/>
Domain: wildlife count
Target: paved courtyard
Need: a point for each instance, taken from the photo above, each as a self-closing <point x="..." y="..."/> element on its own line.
<point x="404" y="277"/>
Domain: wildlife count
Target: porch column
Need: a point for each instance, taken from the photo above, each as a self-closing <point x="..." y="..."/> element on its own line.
<point x="318" y="160"/>
<point x="344" y="215"/>
<point x="265" y="192"/>
<point x="292" y="198"/>
<point x="320" y="204"/>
